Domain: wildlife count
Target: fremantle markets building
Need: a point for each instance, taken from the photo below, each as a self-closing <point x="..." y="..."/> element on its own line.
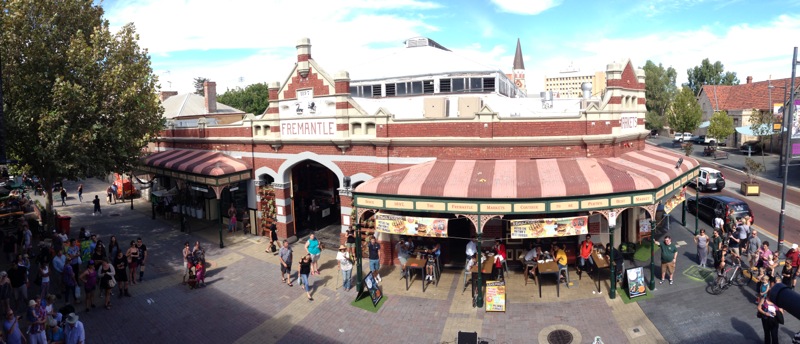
<point x="448" y="146"/>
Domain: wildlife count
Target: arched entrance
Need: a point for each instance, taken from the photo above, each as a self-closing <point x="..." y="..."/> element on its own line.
<point x="315" y="197"/>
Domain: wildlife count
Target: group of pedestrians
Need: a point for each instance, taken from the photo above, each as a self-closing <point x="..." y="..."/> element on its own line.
<point x="194" y="263"/>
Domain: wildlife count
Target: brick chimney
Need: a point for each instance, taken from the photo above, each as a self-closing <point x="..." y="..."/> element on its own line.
<point x="210" y="89"/>
<point x="303" y="55"/>
<point x="342" y="82"/>
<point x="749" y="79"/>
<point x="163" y="95"/>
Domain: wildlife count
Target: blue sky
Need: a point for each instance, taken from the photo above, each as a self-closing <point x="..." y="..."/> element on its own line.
<point x="240" y="42"/>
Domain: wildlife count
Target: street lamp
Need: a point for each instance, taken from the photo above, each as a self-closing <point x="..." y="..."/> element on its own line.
<point x="787" y="147"/>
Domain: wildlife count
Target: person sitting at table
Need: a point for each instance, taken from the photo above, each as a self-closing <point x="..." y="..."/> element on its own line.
<point x="499" y="257"/>
<point x="532" y="254"/>
<point x="430" y="267"/>
<point x="561" y="257"/>
<point x="586" y="248"/>
<point x="472" y="249"/>
<point x="402" y="256"/>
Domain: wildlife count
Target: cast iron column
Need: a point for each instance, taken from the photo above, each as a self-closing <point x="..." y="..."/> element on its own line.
<point x="479" y="299"/>
<point x="219" y="206"/>
<point x="359" y="272"/>
<point x="613" y="292"/>
<point x="652" y="255"/>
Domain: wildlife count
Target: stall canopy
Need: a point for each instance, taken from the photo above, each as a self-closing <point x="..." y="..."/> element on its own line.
<point x="202" y="167"/>
<point x="640" y="177"/>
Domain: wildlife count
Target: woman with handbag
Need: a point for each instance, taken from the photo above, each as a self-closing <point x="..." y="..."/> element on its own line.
<point x="771" y="318"/>
<point x="133" y="261"/>
<point x="107" y="281"/>
<point x="121" y="274"/>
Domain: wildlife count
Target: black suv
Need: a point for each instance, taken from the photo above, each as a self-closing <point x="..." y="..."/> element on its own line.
<point x="713" y="206"/>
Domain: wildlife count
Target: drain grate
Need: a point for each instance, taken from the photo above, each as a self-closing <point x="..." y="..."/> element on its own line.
<point x="116" y="214"/>
<point x="559" y="337"/>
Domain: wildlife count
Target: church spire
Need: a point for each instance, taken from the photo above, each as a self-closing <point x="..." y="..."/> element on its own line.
<point x="518" y="64"/>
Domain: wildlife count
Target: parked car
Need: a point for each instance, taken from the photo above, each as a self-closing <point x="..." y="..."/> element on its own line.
<point x="680" y="137"/>
<point x="704" y="139"/>
<point x="753" y="147"/>
<point x="710" y="207"/>
<point x="710" y="179"/>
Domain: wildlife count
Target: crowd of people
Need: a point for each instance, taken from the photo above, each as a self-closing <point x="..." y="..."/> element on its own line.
<point x="78" y="271"/>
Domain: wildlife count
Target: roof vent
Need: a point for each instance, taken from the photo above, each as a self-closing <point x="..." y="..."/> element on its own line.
<point x="423" y="42"/>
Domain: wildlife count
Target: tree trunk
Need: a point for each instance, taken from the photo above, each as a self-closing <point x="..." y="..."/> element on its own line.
<point x="49" y="221"/>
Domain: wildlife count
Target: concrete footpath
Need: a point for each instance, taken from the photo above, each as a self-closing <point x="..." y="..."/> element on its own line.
<point x="245" y="301"/>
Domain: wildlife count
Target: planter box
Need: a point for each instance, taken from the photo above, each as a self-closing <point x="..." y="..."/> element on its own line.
<point x="750" y="189"/>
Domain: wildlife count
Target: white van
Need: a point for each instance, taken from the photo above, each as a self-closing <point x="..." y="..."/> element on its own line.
<point x="681" y="137"/>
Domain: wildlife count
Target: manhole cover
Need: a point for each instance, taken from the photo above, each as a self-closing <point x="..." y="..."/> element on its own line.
<point x="115" y="214"/>
<point x="559" y="337"/>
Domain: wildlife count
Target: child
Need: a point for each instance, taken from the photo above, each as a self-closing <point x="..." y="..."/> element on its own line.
<point x="200" y="273"/>
<point x="429" y="267"/>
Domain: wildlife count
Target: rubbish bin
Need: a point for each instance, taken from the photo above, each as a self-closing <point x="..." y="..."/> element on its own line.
<point x="62" y="224"/>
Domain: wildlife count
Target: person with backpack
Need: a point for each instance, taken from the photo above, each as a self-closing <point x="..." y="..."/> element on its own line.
<point x="63" y="196"/>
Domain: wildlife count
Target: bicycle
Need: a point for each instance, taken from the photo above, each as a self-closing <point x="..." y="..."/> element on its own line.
<point x="724" y="280"/>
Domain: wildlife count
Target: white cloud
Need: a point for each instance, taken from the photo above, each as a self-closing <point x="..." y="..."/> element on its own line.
<point x="528" y="7"/>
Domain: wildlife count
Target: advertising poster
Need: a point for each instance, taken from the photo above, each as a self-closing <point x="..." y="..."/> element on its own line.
<point x="674" y="201"/>
<point x="547" y="228"/>
<point x="635" y="279"/>
<point x="408" y="225"/>
<point x="495" y="296"/>
<point x="374" y="290"/>
<point x="795" y="121"/>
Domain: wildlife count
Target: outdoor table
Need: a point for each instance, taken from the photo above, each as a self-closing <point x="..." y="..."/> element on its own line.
<point x="486" y="270"/>
<point x="530" y="266"/>
<point x="547" y="268"/>
<point x="416" y="264"/>
<point x="601" y="263"/>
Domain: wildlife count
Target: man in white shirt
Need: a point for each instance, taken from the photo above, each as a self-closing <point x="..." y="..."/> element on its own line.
<point x="718" y="224"/>
<point x="472" y="249"/>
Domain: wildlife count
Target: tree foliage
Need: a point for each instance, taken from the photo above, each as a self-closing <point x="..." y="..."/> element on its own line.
<point x="79" y="99"/>
<point x="685" y="114"/>
<point x="199" y="88"/>
<point x="709" y="74"/>
<point x="721" y="126"/>
<point x="761" y="125"/>
<point x="660" y="91"/>
<point x="252" y="99"/>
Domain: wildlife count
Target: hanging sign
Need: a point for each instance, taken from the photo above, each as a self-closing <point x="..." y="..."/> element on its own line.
<point x="675" y="200"/>
<point x="495" y="296"/>
<point x="409" y="225"/>
<point x="546" y="228"/>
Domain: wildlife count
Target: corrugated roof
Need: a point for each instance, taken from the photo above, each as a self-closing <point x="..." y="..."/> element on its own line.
<point x="197" y="162"/>
<point x="747" y="96"/>
<point x="422" y="60"/>
<point x="646" y="169"/>
<point x="191" y="104"/>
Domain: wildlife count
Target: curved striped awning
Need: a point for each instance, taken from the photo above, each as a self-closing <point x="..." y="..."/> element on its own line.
<point x="212" y="168"/>
<point x="651" y="171"/>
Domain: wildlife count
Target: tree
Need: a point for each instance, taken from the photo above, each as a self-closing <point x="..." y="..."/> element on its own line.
<point x="721" y="126"/>
<point x="709" y="74"/>
<point x="660" y="90"/>
<point x="79" y="99"/>
<point x="199" y="88"/>
<point x="252" y="99"/>
<point x="761" y="126"/>
<point x="685" y="114"/>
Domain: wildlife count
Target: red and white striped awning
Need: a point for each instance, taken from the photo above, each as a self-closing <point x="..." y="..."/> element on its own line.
<point x="649" y="169"/>
<point x="212" y="168"/>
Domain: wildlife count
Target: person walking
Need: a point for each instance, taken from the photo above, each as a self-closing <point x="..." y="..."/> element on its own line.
<point x="304" y="271"/>
<point x="80" y="193"/>
<point x="769" y="313"/>
<point x="232" y="217"/>
<point x="132" y="254"/>
<point x="63" y="196"/>
<point x="109" y="192"/>
<point x="345" y="266"/>
<point x="314" y="248"/>
<point x="121" y="273"/>
<point x="107" y="274"/>
<point x="89" y="280"/>
<point x="702" y="241"/>
<point x="669" y="253"/>
<point x="285" y="255"/>
<point x="96" y="202"/>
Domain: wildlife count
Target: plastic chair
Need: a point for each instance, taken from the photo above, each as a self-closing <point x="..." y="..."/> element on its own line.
<point x="505" y="269"/>
<point x="467" y="279"/>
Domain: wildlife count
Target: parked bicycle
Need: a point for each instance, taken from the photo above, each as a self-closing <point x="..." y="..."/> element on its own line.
<point x="731" y="276"/>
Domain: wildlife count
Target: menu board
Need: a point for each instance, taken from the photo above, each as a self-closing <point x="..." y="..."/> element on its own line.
<point x="375" y="292"/>
<point x="675" y="201"/>
<point x="547" y="228"/>
<point x="495" y="296"/>
<point x="635" y="279"/>
<point x="410" y="225"/>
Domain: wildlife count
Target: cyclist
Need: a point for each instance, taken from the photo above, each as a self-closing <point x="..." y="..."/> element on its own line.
<point x="722" y="254"/>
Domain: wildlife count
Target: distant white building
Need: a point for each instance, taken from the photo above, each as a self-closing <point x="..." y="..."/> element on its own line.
<point x="567" y="83"/>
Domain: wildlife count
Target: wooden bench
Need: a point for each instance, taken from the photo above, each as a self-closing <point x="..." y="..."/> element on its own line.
<point x="718" y="154"/>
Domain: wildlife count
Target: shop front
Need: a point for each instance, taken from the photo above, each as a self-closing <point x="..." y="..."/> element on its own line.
<point x="199" y="184"/>
<point x="519" y="201"/>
